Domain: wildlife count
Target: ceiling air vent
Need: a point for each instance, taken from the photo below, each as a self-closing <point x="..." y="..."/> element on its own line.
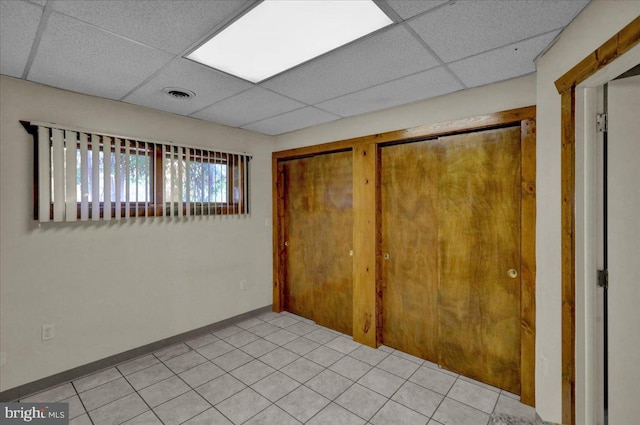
<point x="181" y="94"/>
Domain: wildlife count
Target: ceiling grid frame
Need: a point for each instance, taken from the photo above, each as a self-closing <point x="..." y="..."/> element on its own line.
<point x="404" y="22"/>
<point x="44" y="19"/>
<point x="392" y="77"/>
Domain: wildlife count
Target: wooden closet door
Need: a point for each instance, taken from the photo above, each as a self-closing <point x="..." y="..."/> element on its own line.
<point x="318" y="197"/>
<point x="299" y="219"/>
<point x="333" y="241"/>
<point x="409" y="273"/>
<point x="479" y="256"/>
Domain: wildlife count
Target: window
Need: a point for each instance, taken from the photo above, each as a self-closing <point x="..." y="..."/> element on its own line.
<point x="89" y="176"/>
<point x="139" y="188"/>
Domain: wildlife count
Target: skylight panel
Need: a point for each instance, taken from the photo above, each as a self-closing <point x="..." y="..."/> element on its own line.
<point x="277" y="35"/>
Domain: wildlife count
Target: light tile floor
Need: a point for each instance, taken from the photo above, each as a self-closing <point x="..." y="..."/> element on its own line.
<point x="280" y="369"/>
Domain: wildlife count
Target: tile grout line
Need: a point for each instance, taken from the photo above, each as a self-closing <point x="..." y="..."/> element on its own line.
<point x="271" y="403"/>
<point x="441" y="401"/>
<point x="405" y="381"/>
<point x="86" y="411"/>
<point x="265" y="377"/>
<point x="143" y="400"/>
<point x="301" y="384"/>
<point x="460" y="377"/>
<point x="224" y="399"/>
<point x="186" y="383"/>
<point x="102" y="385"/>
<point x="136" y="391"/>
<point x="346" y="389"/>
<point x="451" y="398"/>
<point x="192" y="388"/>
<point x="112" y="401"/>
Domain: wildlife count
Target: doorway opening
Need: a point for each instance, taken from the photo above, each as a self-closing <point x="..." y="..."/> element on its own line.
<point x="606" y="233"/>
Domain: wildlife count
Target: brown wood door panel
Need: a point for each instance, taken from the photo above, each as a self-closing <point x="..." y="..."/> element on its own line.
<point x="318" y="231"/>
<point x="299" y="223"/>
<point x="409" y="193"/>
<point x="479" y="242"/>
<point x="333" y="241"/>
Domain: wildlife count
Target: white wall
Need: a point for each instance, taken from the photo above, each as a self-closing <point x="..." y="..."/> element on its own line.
<point x="506" y="95"/>
<point x="598" y="22"/>
<point x="110" y="287"/>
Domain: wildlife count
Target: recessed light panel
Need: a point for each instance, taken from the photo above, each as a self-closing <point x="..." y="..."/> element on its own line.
<point x="277" y="35"/>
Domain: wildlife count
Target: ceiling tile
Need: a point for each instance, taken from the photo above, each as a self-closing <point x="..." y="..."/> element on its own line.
<point x="169" y="25"/>
<point x="420" y="86"/>
<point x="18" y="25"/>
<point x="75" y="56"/>
<point x="408" y="8"/>
<point x="209" y="85"/>
<point x="252" y="105"/>
<point x="503" y="63"/>
<point x="385" y="56"/>
<point x="291" y="121"/>
<point x="465" y="28"/>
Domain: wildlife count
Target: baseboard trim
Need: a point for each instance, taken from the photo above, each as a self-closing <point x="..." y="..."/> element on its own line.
<point x="34" y="387"/>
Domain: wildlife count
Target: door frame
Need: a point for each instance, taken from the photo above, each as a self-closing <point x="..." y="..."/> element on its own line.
<point x="591" y="71"/>
<point x="366" y="205"/>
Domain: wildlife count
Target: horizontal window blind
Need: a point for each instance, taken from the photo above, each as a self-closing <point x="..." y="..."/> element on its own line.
<point x="88" y="176"/>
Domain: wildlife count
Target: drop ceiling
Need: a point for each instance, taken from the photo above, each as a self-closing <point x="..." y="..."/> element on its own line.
<point x="130" y="50"/>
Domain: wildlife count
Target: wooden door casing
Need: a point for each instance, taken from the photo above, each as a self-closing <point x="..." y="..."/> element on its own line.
<point x="479" y="200"/>
<point x="318" y="216"/>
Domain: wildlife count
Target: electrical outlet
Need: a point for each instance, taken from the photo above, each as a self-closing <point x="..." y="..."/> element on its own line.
<point x="243" y="285"/>
<point x="544" y="365"/>
<point x="48" y="331"/>
<point x="3" y="358"/>
<point x="267" y="221"/>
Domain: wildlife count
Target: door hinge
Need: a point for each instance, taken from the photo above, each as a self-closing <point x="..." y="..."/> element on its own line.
<point x="601" y="123"/>
<point x="603" y="278"/>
